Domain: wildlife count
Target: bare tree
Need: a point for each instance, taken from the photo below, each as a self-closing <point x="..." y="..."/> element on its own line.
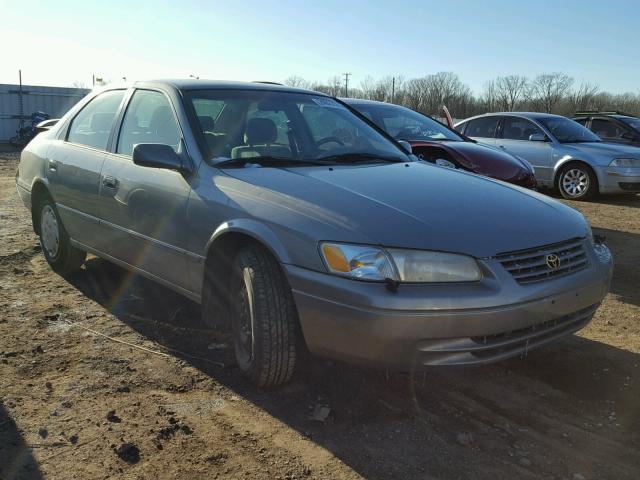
<point x="548" y="89"/>
<point x="510" y="91"/>
<point x="583" y="97"/>
<point x="296" y="81"/>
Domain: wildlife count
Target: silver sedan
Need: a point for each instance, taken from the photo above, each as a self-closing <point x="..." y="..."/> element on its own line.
<point x="295" y="222"/>
<point x="565" y="155"/>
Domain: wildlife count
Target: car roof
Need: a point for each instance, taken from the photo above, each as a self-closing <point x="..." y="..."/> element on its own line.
<point x="530" y="115"/>
<point x="204" y="84"/>
<point x="612" y="115"/>
<point x="362" y="101"/>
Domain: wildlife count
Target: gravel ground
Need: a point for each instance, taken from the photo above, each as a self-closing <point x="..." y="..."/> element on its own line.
<point x="108" y="375"/>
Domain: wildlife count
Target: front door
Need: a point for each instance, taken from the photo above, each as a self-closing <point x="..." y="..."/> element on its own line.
<point x="143" y="208"/>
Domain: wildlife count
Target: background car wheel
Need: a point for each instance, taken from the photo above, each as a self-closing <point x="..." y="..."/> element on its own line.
<point x="577" y="181"/>
<point x="264" y="318"/>
<point x="63" y="257"/>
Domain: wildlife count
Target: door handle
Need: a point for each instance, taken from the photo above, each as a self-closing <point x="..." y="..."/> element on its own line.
<point x="109" y="182"/>
<point x="53" y="165"/>
<point x="501" y="146"/>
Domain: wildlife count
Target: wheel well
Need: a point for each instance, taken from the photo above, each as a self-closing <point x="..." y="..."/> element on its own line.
<point x="217" y="272"/>
<point x="573" y="162"/>
<point x="38" y="192"/>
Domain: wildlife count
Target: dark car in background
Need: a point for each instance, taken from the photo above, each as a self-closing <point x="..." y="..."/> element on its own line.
<point x="436" y="143"/>
<point x="613" y="127"/>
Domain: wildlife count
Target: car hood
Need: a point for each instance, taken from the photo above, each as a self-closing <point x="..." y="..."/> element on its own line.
<point x="406" y="205"/>
<point x="603" y="149"/>
<point x="484" y="159"/>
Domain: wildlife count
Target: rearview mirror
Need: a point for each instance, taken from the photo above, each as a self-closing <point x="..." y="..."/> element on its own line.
<point x="537" y="137"/>
<point x="157" y="155"/>
<point x="406" y="146"/>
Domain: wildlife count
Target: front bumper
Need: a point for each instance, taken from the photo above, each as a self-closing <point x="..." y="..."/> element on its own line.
<point x="457" y="324"/>
<point x="619" y="179"/>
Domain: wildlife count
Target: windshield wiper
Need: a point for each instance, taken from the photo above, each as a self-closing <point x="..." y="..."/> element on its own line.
<point x="267" y="161"/>
<point x="360" y="157"/>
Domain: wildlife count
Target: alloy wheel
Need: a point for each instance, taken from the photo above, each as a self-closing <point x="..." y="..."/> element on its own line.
<point x="575" y="182"/>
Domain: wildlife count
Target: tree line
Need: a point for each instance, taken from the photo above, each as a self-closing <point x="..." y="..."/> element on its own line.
<point x="554" y="92"/>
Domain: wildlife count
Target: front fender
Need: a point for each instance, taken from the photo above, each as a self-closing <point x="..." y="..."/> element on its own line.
<point x="253" y="228"/>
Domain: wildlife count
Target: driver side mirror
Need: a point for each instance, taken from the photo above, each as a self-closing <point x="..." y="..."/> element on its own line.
<point x="156" y="155"/>
<point x="537" y="137"/>
<point x="406" y="146"/>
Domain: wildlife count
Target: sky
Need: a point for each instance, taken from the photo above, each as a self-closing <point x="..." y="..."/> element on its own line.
<point x="62" y="42"/>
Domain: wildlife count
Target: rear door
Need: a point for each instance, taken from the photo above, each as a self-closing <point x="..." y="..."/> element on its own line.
<point x="515" y="139"/>
<point x="144" y="209"/>
<point x="74" y="164"/>
<point x="483" y="129"/>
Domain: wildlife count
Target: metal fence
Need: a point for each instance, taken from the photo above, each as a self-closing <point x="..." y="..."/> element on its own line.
<point x="15" y="106"/>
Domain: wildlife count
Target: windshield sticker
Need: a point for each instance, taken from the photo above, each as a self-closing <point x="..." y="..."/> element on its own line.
<point x="326" y="102"/>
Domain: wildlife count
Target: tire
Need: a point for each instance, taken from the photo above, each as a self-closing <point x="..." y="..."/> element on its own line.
<point x="577" y="181"/>
<point x="264" y="320"/>
<point x="63" y="257"/>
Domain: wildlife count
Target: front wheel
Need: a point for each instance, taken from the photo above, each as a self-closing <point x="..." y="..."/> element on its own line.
<point x="577" y="181"/>
<point x="264" y="318"/>
<point x="63" y="257"/>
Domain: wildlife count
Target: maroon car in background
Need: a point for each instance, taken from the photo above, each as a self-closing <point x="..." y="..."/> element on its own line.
<point x="436" y="143"/>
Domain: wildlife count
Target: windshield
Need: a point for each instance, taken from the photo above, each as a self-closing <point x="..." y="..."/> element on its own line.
<point x="405" y="124"/>
<point x="568" y="131"/>
<point x="246" y="124"/>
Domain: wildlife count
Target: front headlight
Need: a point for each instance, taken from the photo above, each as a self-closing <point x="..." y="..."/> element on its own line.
<point x="413" y="266"/>
<point x="625" y="162"/>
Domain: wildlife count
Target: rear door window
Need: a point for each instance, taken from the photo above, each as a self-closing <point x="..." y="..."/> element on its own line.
<point x="483" y="127"/>
<point x="92" y="126"/>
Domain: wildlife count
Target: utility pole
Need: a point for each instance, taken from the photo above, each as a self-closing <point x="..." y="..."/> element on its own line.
<point x="393" y="89"/>
<point x="20" y="96"/>
<point x="346" y="84"/>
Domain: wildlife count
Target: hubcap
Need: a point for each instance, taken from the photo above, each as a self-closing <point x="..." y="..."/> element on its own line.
<point x="575" y="182"/>
<point x="49" y="231"/>
<point x="243" y="330"/>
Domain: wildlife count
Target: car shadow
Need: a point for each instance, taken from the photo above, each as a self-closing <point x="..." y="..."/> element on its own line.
<point x="625" y="247"/>
<point x="396" y="425"/>
<point x="16" y="459"/>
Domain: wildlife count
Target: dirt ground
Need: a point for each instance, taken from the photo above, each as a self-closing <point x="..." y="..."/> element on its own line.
<point x="107" y="375"/>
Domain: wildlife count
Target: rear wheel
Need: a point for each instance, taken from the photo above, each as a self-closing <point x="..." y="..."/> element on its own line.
<point x="264" y="318"/>
<point x="63" y="257"/>
<point x="577" y="181"/>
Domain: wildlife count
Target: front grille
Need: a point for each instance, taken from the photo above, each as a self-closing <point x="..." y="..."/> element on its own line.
<point x="630" y="186"/>
<point x="533" y="265"/>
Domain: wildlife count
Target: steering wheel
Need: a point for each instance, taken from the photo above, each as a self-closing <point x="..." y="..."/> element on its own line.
<point x="322" y="141"/>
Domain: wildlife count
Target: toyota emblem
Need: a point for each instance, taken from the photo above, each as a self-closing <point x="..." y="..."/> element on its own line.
<point x="553" y="261"/>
